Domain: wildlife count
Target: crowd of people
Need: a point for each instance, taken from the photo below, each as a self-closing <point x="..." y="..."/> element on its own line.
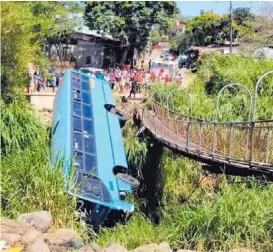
<point x="40" y="82"/>
<point x="125" y="81"/>
<point x="135" y="80"/>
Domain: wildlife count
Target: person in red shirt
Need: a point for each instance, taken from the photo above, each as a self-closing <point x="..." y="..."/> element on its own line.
<point x="166" y="79"/>
<point x="153" y="76"/>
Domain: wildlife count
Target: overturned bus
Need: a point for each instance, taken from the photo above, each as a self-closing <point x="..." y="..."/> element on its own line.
<point x="86" y="129"/>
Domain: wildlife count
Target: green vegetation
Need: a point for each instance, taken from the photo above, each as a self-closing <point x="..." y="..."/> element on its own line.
<point x="198" y="210"/>
<point x="136" y="151"/>
<point x="28" y="183"/>
<point x="130" y="22"/>
<point x="23" y="38"/>
<point x="249" y="30"/>
<point x="176" y="202"/>
<point x="215" y="72"/>
<point x="219" y="215"/>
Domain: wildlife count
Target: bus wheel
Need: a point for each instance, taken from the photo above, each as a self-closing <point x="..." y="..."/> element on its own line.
<point x="128" y="179"/>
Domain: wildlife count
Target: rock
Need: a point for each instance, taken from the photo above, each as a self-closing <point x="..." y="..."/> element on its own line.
<point x="40" y="220"/>
<point x="147" y="248"/>
<point x="114" y="247"/>
<point x="164" y="247"/>
<point x="11" y="226"/>
<point x="10" y="238"/>
<point x="95" y="247"/>
<point x="77" y="244"/>
<point x="64" y="238"/>
<point x="241" y="250"/>
<point x="86" y="249"/>
<point x="38" y="246"/>
<point x="31" y="235"/>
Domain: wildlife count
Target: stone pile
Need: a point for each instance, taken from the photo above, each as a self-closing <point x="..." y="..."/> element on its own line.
<point x="30" y="232"/>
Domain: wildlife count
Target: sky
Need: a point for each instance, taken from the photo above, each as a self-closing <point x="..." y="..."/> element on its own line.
<point x="192" y="8"/>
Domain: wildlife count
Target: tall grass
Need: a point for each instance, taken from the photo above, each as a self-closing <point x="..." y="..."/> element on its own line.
<point x="136" y="151"/>
<point x="28" y="182"/>
<point x="235" y="215"/>
<point x="19" y="126"/>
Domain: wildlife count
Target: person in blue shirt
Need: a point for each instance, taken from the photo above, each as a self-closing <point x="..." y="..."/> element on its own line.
<point x="100" y="76"/>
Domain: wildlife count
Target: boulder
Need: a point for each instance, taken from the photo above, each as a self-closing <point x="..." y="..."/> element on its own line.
<point x="11" y="226"/>
<point x="10" y="238"/>
<point x="86" y="249"/>
<point x="38" y="246"/>
<point x="40" y="220"/>
<point x="64" y="238"/>
<point x="147" y="248"/>
<point x="31" y="235"/>
<point x="95" y="247"/>
<point x="114" y="247"/>
<point x="164" y="247"/>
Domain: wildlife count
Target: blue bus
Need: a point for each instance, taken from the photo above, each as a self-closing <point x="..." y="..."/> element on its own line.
<point x="86" y="129"/>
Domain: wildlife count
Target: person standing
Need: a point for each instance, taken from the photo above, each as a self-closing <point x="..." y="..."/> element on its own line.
<point x="118" y="78"/>
<point x="53" y="82"/>
<point x="150" y="61"/>
<point x="133" y="88"/>
<point x="112" y="78"/>
<point x="166" y="79"/>
<point x="37" y="76"/>
<point x="123" y="79"/>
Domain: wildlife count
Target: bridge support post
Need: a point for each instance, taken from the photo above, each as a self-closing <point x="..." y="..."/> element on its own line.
<point x="200" y="136"/>
<point x="214" y="138"/>
<point x="251" y="140"/>
<point x="188" y="135"/>
<point x="230" y="140"/>
<point x="267" y="145"/>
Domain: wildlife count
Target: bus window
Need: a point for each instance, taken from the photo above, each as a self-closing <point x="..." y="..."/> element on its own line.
<point x="85" y="86"/>
<point x="90" y="164"/>
<point x="77" y="140"/>
<point x="89" y="144"/>
<point x="87" y="113"/>
<point x="77" y="110"/>
<point x="77" y="124"/>
<point x="88" y="127"/>
<point x="86" y="98"/>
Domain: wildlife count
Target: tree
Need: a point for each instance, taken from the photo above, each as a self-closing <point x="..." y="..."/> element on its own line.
<point x="204" y="28"/>
<point x="65" y="22"/>
<point x="242" y="16"/>
<point x="180" y="42"/>
<point x="23" y="38"/>
<point x="258" y="32"/>
<point x="263" y="25"/>
<point x="129" y="21"/>
<point x="224" y="30"/>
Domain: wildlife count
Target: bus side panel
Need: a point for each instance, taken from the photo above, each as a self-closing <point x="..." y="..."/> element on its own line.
<point x="115" y="132"/>
<point x="103" y="139"/>
<point x="61" y="133"/>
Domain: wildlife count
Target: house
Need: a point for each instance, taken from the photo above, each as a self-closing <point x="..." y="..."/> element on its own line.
<point x="180" y="25"/>
<point x="85" y="47"/>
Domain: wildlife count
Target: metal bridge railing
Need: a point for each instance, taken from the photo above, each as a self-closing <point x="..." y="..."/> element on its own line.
<point x="240" y="141"/>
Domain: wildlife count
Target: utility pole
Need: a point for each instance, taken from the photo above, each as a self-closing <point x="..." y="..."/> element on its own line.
<point x="230" y="35"/>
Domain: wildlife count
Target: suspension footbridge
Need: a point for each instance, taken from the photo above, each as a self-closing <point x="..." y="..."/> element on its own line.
<point x="241" y="148"/>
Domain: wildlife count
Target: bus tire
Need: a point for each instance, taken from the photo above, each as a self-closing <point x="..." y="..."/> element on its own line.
<point x="128" y="179"/>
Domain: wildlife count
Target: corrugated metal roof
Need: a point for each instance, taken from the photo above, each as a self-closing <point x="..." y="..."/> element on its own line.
<point x="83" y="29"/>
